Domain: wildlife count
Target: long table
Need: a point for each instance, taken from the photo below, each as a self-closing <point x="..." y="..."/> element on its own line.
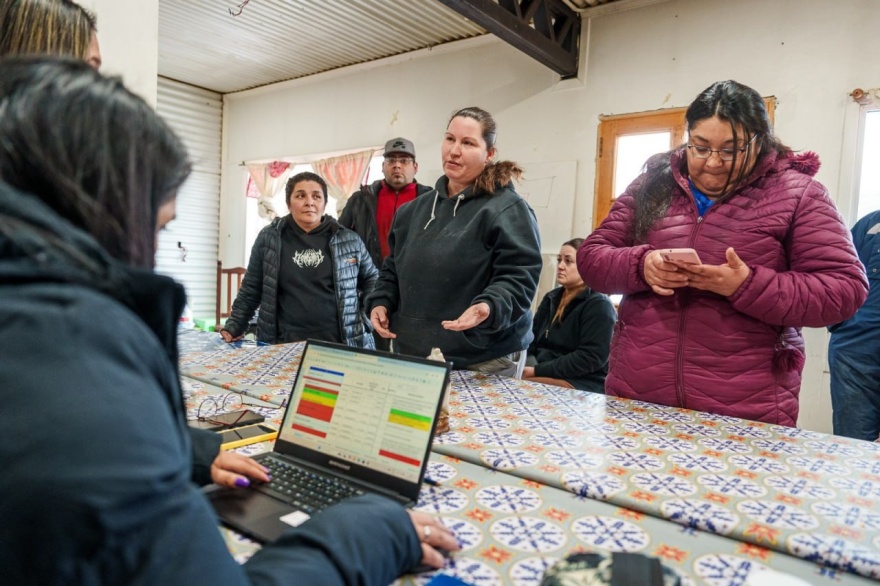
<point x="795" y="500"/>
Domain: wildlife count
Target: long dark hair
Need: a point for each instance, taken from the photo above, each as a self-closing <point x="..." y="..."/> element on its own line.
<point x="90" y="149"/>
<point x="740" y="106"/>
<point x="495" y="173"/>
<point x="568" y="295"/>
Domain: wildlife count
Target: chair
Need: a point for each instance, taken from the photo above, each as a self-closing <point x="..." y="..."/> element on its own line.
<point x="229" y="275"/>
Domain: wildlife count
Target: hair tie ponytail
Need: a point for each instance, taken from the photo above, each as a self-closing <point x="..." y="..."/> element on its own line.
<point x="500" y="173"/>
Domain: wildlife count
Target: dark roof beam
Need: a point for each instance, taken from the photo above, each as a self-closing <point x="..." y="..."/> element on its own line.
<point x="546" y="30"/>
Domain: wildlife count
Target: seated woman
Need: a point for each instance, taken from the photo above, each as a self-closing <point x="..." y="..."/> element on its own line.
<point x="572" y="328"/>
<point x="307" y="274"/>
<point x="96" y="484"/>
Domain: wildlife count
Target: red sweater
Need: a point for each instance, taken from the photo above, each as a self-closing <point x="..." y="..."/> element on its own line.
<point x="386" y="206"/>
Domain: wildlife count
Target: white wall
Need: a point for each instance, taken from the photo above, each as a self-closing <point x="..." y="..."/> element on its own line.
<point x="128" y="32"/>
<point x="808" y="53"/>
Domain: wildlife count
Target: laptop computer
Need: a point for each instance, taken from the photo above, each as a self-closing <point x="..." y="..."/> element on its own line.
<point x="357" y="421"/>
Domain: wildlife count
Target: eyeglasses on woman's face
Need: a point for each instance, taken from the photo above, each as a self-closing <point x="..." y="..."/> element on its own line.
<point x="726" y="155"/>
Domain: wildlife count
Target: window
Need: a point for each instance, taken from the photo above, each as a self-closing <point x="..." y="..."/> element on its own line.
<point x="254" y="223"/>
<point x="868" y="191"/>
<point x="627" y="141"/>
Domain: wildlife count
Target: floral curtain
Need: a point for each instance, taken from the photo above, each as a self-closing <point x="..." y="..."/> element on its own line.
<point x="343" y="174"/>
<point x="264" y="181"/>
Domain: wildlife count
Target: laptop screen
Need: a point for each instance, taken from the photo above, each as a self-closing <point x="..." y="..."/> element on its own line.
<point x="371" y="409"/>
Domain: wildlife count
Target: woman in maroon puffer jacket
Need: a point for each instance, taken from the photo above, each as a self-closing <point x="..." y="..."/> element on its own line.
<point x="723" y="336"/>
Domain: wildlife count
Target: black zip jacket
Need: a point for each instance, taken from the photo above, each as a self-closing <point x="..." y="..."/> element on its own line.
<point x="359" y="214"/>
<point x="574" y="349"/>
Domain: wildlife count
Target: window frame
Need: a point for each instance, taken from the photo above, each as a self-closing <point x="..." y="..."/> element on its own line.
<point x="612" y="127"/>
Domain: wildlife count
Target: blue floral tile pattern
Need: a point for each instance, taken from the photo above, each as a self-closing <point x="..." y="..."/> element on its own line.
<point x="769" y="488"/>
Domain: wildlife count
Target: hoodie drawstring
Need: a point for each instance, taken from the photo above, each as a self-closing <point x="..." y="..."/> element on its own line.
<point x="458" y="200"/>
<point x="433" y="207"/>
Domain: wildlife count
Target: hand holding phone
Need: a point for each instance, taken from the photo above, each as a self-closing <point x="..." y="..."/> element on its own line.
<point x="683" y="255"/>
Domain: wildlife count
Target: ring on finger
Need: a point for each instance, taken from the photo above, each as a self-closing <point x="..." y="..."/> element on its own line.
<point x="426" y="531"/>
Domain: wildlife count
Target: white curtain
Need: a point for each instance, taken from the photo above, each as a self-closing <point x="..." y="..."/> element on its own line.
<point x="264" y="182"/>
<point x="344" y="174"/>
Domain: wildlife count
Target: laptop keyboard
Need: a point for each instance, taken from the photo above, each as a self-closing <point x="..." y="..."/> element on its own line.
<point x="302" y="488"/>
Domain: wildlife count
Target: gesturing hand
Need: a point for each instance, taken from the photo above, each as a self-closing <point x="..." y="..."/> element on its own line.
<point x="380" y="321"/>
<point x="471" y="318"/>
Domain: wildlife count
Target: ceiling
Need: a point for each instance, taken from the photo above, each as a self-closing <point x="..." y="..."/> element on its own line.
<point x="201" y="43"/>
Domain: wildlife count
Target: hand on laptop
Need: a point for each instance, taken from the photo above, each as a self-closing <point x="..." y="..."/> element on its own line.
<point x="234" y="470"/>
<point x="434" y="536"/>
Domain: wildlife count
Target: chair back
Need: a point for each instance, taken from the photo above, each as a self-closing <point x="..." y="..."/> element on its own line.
<point x="225" y="279"/>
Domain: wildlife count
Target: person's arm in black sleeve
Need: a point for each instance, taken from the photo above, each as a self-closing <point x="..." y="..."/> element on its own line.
<point x="205" y="447"/>
<point x="386" y="290"/>
<point x="346" y="216"/>
<point x="364" y="541"/>
<point x="596" y="322"/>
<point x="516" y="267"/>
<point x="249" y="295"/>
<point x="368" y="274"/>
<point x="539" y="322"/>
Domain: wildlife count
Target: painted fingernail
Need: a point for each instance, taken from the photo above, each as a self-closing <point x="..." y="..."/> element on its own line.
<point x="242" y="482"/>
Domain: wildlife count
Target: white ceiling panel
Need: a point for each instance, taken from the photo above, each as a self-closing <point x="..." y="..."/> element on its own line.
<point x="202" y="44"/>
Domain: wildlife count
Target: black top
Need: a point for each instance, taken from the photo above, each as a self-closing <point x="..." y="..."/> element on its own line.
<point x="575" y="348"/>
<point x="306" y="294"/>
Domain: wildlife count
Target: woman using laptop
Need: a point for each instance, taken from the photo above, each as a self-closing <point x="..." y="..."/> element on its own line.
<point x="96" y="481"/>
<point x="66" y="29"/>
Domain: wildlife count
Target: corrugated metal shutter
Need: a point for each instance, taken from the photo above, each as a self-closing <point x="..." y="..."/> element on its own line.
<point x="188" y="248"/>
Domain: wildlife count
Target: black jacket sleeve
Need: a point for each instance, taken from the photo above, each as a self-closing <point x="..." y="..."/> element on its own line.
<point x="386" y="292"/>
<point x="249" y="295"/>
<point x="346" y="216"/>
<point x="363" y="541"/>
<point x="539" y="323"/>
<point x="516" y="267"/>
<point x="205" y="447"/>
<point x="595" y="322"/>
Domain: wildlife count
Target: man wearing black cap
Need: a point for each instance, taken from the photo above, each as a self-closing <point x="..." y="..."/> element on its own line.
<point x="370" y="211"/>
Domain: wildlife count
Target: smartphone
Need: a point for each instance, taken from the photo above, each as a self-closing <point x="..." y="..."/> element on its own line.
<point x="228" y="420"/>
<point x="685" y="255"/>
<point x="242" y="436"/>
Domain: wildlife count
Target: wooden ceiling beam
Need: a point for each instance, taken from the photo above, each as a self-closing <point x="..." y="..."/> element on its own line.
<point x="546" y="30"/>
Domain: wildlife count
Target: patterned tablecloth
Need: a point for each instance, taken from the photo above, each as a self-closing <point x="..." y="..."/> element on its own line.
<point x="511" y="530"/>
<point x="807" y="494"/>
